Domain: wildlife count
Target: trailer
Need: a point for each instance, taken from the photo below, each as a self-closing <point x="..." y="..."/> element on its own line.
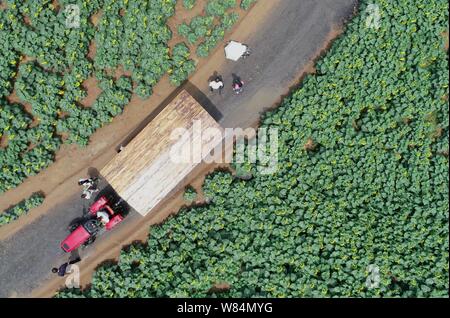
<point x="143" y="172"/>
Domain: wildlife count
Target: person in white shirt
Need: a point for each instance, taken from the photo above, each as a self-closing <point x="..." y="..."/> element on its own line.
<point x="217" y="84"/>
<point x="89" y="187"/>
<point x="103" y="216"/>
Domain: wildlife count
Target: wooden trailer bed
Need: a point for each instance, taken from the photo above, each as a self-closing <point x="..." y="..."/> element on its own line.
<point x="143" y="173"/>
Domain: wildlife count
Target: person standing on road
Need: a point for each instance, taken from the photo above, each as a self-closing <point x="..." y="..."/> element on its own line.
<point x="216" y="84"/>
<point x="238" y="85"/>
<point x="89" y="187"/>
<point x="86" y="181"/>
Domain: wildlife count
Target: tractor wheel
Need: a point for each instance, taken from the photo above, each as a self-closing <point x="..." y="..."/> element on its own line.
<point x="73" y="225"/>
<point x="89" y="241"/>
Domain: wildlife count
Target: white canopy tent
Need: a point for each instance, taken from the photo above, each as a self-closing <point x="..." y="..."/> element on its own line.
<point x="234" y="50"/>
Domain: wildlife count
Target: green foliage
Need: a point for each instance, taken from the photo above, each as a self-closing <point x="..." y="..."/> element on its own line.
<point x="218" y="8"/>
<point x="136" y="39"/>
<point x="243" y="170"/>
<point x="202" y="50"/>
<point x="130" y="33"/>
<point x="190" y="194"/>
<point x="217" y="34"/>
<point x="189" y="4"/>
<point x="182" y="66"/>
<point x="211" y="27"/>
<point x="229" y="20"/>
<point x="184" y="30"/>
<point x="180" y="53"/>
<point x="9" y="57"/>
<point x="246" y="4"/>
<point x="375" y="191"/>
<point x="51" y="84"/>
<point x="18" y="160"/>
<point x="21" y="208"/>
<point x="199" y="27"/>
<point x="82" y="123"/>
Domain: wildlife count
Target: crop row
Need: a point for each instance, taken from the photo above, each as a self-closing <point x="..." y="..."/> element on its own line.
<point x="211" y="27"/>
<point x="21" y="208"/>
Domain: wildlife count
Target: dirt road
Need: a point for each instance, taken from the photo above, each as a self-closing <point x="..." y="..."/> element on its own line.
<point x="284" y="35"/>
<point x="283" y="45"/>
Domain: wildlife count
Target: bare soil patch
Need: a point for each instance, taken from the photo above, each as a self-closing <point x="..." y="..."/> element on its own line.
<point x="95" y="18"/>
<point x="14" y="99"/>
<point x="92" y="50"/>
<point x="3" y="141"/>
<point x="56" y="5"/>
<point x="93" y="91"/>
<point x="445" y="35"/>
<point x="26" y="59"/>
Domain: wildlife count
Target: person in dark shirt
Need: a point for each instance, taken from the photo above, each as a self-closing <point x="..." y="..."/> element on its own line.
<point x="238" y="85"/>
<point x="62" y="270"/>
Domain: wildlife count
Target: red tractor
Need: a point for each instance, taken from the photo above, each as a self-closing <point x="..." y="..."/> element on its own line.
<point x="101" y="216"/>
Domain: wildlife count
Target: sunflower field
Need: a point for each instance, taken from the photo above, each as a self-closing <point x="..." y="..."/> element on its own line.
<point x="371" y="193"/>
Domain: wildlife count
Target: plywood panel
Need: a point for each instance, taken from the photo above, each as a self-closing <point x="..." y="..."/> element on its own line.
<point x="144" y="173"/>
